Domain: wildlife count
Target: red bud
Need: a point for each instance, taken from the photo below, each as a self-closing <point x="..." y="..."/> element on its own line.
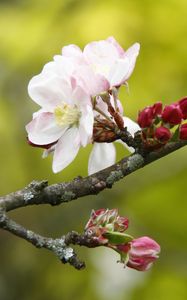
<point x="183" y="106"/>
<point x="172" y="114"/>
<point x="183" y="132"/>
<point x="162" y="134"/>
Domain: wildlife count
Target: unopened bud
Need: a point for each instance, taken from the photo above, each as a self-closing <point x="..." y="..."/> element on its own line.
<point x="172" y="114"/>
<point x="183" y="106"/>
<point x="183" y="132"/>
<point x="143" y="252"/>
<point x="162" y="134"/>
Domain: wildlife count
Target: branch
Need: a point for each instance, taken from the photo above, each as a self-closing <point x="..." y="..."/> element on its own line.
<point x="55" y="194"/>
<point x="40" y="193"/>
<point x="58" y="246"/>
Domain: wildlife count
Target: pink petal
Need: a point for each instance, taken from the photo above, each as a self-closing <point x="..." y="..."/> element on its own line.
<point x="102" y="156"/>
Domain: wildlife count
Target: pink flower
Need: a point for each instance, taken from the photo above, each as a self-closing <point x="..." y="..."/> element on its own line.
<point x="172" y="114"/>
<point x="183" y="132"/>
<point x="143" y="252"/>
<point x="162" y="134"/>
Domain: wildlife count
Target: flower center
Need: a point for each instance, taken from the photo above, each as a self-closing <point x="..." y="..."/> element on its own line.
<point x="67" y="115"/>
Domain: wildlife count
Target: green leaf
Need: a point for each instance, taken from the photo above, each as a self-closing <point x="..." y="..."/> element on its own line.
<point x="118" y="238"/>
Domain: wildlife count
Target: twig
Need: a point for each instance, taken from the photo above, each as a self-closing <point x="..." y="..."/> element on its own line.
<point x="58" y="246"/>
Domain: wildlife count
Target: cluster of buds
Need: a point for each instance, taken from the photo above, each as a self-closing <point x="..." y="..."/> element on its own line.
<point x="107" y="228"/>
<point x="162" y="124"/>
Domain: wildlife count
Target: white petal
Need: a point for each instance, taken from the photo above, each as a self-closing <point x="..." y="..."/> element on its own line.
<point x="66" y="149"/>
<point x="93" y="83"/>
<point x="71" y="50"/>
<point x="48" y="90"/>
<point x="86" y="125"/>
<point x="100" y="52"/>
<point x="132" y="54"/>
<point x="118" y="72"/>
<point x="113" y="41"/>
<point x="132" y="127"/>
<point x="102" y="156"/>
<point x="44" y="130"/>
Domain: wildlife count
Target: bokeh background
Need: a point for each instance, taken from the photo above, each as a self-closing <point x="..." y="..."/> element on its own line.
<point x="154" y="198"/>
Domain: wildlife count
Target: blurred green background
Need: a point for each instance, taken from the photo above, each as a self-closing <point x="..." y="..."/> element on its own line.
<point x="154" y="198"/>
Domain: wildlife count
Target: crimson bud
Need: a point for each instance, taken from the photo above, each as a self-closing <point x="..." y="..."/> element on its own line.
<point x="162" y="134"/>
<point x="183" y="132"/>
<point x="172" y="114"/>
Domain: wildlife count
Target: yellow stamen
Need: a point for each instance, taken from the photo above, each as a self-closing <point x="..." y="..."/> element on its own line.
<point x="67" y="115"/>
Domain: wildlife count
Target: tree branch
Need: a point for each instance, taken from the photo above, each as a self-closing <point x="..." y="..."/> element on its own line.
<point x="58" y="246"/>
<point x="40" y="193"/>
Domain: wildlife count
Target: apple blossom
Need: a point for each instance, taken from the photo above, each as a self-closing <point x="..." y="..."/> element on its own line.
<point x="65" y="120"/>
<point x="70" y="92"/>
<point x="107" y="58"/>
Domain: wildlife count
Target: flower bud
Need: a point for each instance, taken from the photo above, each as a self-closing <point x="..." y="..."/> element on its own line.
<point x="172" y="114"/>
<point x="143" y="252"/>
<point x="148" y="114"/>
<point x="183" y="132"/>
<point x="162" y="134"/>
<point x="183" y="106"/>
<point x="145" y="117"/>
<point x="156" y="109"/>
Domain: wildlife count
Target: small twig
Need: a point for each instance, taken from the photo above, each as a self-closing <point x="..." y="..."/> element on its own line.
<point x="58" y="246"/>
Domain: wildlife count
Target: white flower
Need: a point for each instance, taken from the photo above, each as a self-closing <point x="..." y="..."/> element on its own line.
<point x="64" y="90"/>
<point x="65" y="120"/>
<point x="107" y="59"/>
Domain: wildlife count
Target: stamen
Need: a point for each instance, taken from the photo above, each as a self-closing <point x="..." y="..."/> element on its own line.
<point x="67" y="115"/>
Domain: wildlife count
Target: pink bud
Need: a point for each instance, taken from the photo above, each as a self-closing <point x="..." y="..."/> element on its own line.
<point x="144" y="251"/>
<point x="183" y="132"/>
<point x="148" y="114"/>
<point x="172" y="114"/>
<point x="156" y="109"/>
<point x="183" y="106"/>
<point x="162" y="134"/>
<point x="145" y="117"/>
